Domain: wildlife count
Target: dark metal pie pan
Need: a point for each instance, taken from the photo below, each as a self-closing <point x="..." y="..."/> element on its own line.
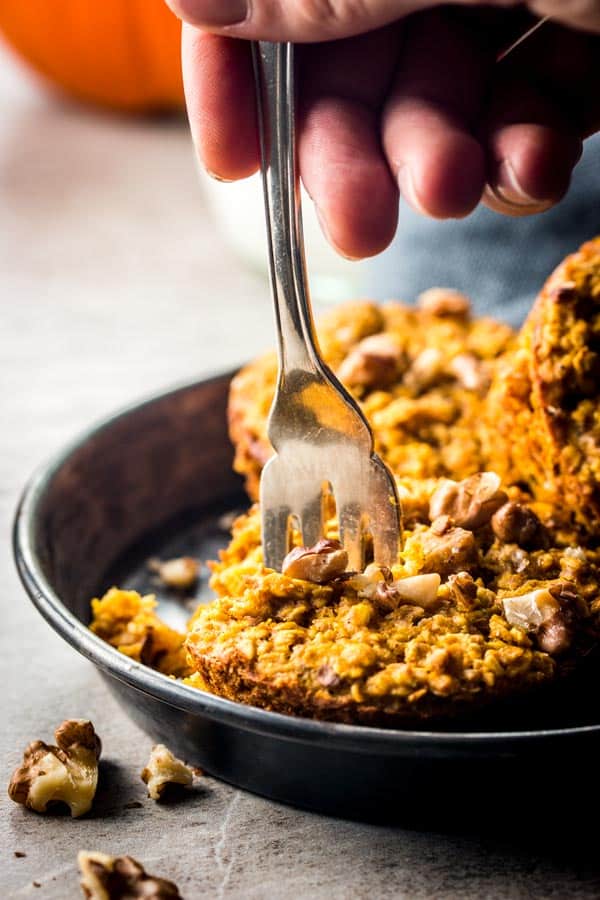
<point x="156" y="479"/>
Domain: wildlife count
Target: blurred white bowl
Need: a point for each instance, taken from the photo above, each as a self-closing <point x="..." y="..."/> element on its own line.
<point x="239" y="214"/>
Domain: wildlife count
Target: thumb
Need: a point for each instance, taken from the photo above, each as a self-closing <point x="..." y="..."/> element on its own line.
<point x="298" y="20"/>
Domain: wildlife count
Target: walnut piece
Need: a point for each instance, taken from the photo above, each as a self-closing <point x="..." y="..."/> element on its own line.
<point x="180" y="573"/>
<point x="415" y="590"/>
<point x="530" y="611"/>
<point x="440" y="301"/>
<point x="426" y="368"/>
<point x="327" y="676"/>
<point x="163" y="771"/>
<point x="470" y="503"/>
<point x="548" y="612"/>
<point x="66" y="773"/>
<point x="471" y="372"/>
<point x="322" y="563"/>
<point x="376" y="362"/>
<point x="453" y="551"/>
<point x="106" y="877"/>
<point x="514" y="523"/>
<point x="377" y="584"/>
<point x="463" y="590"/>
<point x="366" y="583"/>
<point x="554" y="635"/>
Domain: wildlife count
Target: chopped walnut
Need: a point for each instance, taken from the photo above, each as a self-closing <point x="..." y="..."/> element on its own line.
<point x="366" y="583"/>
<point x="415" y="590"/>
<point x="514" y="523"/>
<point x="63" y="774"/>
<point x="323" y="562"/>
<point x="469" y="503"/>
<point x="530" y="611"/>
<point x="556" y="632"/>
<point x="426" y="368"/>
<point x="180" y="573"/>
<point x="549" y="612"/>
<point x="441" y="525"/>
<point x="376" y="362"/>
<point x="463" y="590"/>
<point x="554" y="635"/>
<point x="471" y="372"/>
<point x="163" y="771"/>
<point x="377" y="584"/>
<point x="106" y="877"/>
<point x="327" y="676"/>
<point x="577" y="553"/>
<point x="444" y="302"/>
<point x="453" y="551"/>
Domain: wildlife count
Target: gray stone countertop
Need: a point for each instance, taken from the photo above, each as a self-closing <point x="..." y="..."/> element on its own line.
<point x="114" y="284"/>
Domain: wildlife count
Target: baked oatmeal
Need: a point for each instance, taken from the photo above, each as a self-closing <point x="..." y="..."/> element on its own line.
<point x="494" y="442"/>
<point x="479" y="605"/>
<point x="542" y="412"/>
<point x="419" y="373"/>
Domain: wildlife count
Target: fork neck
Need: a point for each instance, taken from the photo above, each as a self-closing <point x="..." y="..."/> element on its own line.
<point x="274" y="74"/>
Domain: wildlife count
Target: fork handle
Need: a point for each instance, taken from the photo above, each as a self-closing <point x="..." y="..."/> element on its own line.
<point x="274" y="77"/>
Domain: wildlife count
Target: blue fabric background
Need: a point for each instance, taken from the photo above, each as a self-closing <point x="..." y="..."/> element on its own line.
<point x="499" y="262"/>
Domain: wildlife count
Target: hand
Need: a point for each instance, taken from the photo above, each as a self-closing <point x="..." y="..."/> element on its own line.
<point x="403" y="96"/>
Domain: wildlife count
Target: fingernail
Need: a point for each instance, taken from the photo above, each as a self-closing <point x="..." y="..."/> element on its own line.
<point x="222" y="12"/>
<point x="218" y="177"/>
<point x="408" y="191"/>
<point x="509" y="190"/>
<point x="327" y="233"/>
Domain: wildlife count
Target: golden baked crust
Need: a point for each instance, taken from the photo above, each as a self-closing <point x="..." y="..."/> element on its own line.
<point x="542" y="422"/>
<point x="424" y="407"/>
<point x="351" y="651"/>
<point x="129" y="622"/>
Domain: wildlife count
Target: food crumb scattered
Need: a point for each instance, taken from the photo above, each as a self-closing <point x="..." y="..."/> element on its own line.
<point x="164" y="772"/>
<point x="105" y="877"/>
<point x="180" y="573"/>
<point x="65" y="774"/>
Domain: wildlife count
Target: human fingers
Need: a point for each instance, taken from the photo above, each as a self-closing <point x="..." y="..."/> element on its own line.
<point x="219" y="91"/>
<point x="343" y="167"/>
<point x="429" y="117"/>
<point x="531" y="148"/>
<point x="543" y="101"/>
<point x="301" y="20"/>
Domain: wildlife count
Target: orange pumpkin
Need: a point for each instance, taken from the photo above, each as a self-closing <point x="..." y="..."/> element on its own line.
<point x="123" y="54"/>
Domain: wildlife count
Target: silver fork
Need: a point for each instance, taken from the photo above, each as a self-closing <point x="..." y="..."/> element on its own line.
<point x="321" y="439"/>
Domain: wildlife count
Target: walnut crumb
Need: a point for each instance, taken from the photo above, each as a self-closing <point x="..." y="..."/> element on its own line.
<point x="63" y="774"/>
<point x="514" y="523"/>
<point x="415" y="590"/>
<point x="471" y="372"/>
<point x="322" y="563"/>
<point x="106" y="877"/>
<point x="180" y="573"/>
<point x="377" y="361"/>
<point x="439" y="301"/>
<point x="549" y="612"/>
<point x="164" y="771"/>
<point x="470" y="503"/>
<point x="454" y="551"/>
